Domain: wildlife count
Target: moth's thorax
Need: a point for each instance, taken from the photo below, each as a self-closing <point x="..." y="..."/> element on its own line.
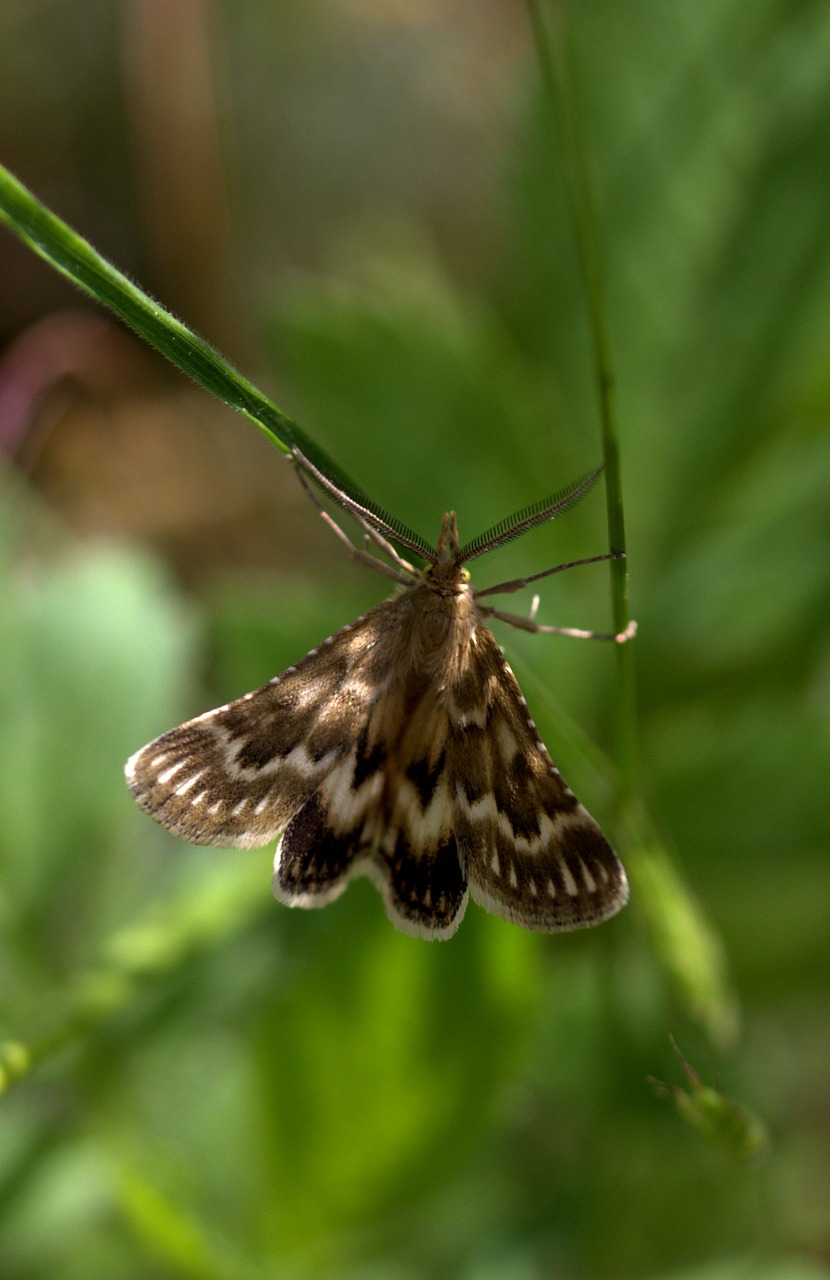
<point x="432" y="630"/>
<point x="438" y="612"/>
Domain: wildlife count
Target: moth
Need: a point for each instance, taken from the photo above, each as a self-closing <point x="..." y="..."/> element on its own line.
<point x="401" y="748"/>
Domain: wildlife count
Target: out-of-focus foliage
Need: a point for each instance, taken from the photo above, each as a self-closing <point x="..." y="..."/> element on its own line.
<point x="718" y="1119"/>
<point x="277" y="1093"/>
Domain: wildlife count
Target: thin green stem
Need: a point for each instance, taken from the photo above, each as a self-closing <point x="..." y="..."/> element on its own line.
<point x="566" y="138"/>
<point x="690" y="950"/>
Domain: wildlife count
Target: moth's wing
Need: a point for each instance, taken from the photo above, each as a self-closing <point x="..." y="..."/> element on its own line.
<point x="417" y="862"/>
<point x="326" y="841"/>
<point x="387" y="812"/>
<point x="533" y="854"/>
<point x="236" y="775"/>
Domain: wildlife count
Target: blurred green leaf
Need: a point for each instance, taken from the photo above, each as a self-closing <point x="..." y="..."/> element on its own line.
<point x="685" y="943"/>
<point x="718" y="1119"/>
<point x="395" y="1052"/>
<point x="173" y="1237"/>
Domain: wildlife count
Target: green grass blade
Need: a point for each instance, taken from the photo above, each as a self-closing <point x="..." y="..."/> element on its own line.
<point x="562" y="99"/>
<point x="71" y="255"/>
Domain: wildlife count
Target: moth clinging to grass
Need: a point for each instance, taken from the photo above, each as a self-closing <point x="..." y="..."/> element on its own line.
<point x="402" y="749"/>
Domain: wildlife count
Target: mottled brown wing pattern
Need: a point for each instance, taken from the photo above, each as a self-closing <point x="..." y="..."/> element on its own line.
<point x="236" y="775"/>
<point x="385" y="810"/>
<point x="532" y="853"/>
<point x="341" y="753"/>
<point x="418" y="864"/>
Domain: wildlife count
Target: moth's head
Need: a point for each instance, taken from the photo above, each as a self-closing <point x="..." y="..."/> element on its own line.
<point x="445" y="569"/>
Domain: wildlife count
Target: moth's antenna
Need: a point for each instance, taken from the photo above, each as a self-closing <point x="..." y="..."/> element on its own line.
<point x="365" y="510"/>
<point x="529" y="517"/>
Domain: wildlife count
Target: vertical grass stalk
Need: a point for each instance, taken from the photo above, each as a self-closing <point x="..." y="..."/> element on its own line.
<point x="566" y="137"/>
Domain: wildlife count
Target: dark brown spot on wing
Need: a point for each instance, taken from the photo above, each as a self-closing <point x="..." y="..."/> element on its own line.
<point x="516" y="788"/>
<point x="427" y="887"/>
<point x="470" y="754"/>
<point x="369" y="758"/>
<point x="313" y="857"/>
<point x="425" y="777"/>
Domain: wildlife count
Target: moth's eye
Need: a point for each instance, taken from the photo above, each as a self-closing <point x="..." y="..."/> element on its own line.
<point x="465" y="575"/>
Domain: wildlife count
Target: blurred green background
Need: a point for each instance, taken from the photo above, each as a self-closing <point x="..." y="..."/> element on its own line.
<point x="355" y="201"/>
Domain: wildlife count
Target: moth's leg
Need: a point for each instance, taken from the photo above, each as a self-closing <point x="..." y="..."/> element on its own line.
<point x="529" y="624"/>
<point x="361" y="557"/>
<point x="382" y="544"/>
<point x="302" y="465"/>
<point x="516" y="584"/>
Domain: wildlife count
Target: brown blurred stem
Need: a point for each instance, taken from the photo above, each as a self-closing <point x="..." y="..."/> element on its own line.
<point x="168" y="60"/>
